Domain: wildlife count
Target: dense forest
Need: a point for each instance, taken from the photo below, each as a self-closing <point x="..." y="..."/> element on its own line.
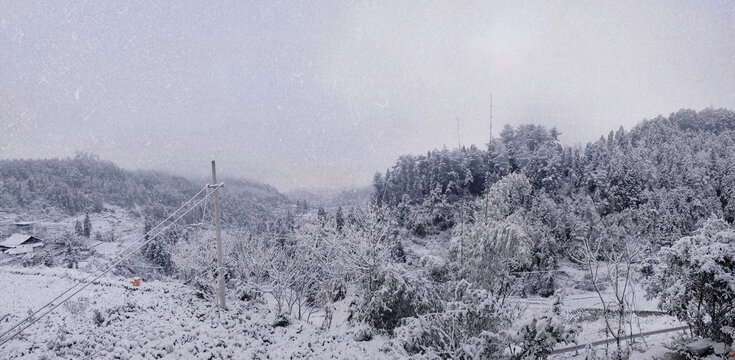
<point x="658" y="180"/>
<point x="85" y="184"/>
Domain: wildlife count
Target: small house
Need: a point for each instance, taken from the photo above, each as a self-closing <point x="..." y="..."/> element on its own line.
<point x="21" y="227"/>
<point x="20" y="244"/>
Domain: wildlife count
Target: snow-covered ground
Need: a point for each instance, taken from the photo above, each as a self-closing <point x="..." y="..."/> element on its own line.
<point x="159" y="319"/>
<point x="165" y="318"/>
<point x="581" y="307"/>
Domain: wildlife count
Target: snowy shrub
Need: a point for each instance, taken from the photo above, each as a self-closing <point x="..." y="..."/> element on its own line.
<point x="77" y="306"/>
<point x="486" y="251"/>
<point x="328" y="316"/>
<point x="433" y="215"/>
<point x="72" y="252"/>
<point x="540" y="335"/>
<point x="158" y="249"/>
<point x="695" y="280"/>
<point x="395" y="293"/>
<point x="292" y="265"/>
<point x="541" y="280"/>
<point x="294" y="284"/>
<point x="468" y="327"/>
<point x="97" y="318"/>
<point x="589" y="353"/>
<point x="587" y="285"/>
<point x="363" y="254"/>
<point x="363" y="332"/>
<point x="109" y="236"/>
<point x="248" y="292"/>
<point x="282" y="320"/>
<point x="195" y="260"/>
<point x="252" y="258"/>
<point x="30" y="259"/>
<point x="540" y="283"/>
<point x="436" y="267"/>
<point x="48" y="260"/>
<point x="537" y="338"/>
<point x="507" y="196"/>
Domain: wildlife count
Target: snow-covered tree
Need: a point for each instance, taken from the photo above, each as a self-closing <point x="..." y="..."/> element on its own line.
<point x="72" y="250"/>
<point x="87" y="226"/>
<point x="611" y="261"/>
<point x="538" y="337"/>
<point x="195" y="260"/>
<point x="158" y="250"/>
<point x="78" y="229"/>
<point x="469" y="326"/>
<point x="695" y="280"/>
<point x="494" y="240"/>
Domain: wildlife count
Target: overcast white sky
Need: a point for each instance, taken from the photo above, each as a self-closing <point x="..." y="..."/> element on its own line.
<point x="323" y="94"/>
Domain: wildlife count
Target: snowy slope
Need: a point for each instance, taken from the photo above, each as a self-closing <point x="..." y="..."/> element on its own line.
<point x="159" y="319"/>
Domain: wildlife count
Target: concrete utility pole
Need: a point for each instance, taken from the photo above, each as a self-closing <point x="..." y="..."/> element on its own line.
<point x="220" y="267"/>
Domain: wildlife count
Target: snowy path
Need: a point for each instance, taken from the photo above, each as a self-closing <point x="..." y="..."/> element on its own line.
<point x="586" y="311"/>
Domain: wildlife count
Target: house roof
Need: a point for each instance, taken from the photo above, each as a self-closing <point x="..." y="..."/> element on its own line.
<point x="23" y="223"/>
<point x="15" y="240"/>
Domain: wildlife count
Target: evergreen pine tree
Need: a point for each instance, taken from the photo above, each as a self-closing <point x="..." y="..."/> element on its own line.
<point x="146" y="228"/>
<point x="78" y="230"/>
<point x="322" y="215"/>
<point x="339" y="219"/>
<point x="87" y="230"/>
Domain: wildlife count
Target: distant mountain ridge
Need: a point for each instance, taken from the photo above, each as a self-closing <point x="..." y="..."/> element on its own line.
<point x="85" y="184"/>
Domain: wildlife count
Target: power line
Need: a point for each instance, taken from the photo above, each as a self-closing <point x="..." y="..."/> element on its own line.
<point x="34" y="320"/>
<point x="87" y="283"/>
<point x="92" y="274"/>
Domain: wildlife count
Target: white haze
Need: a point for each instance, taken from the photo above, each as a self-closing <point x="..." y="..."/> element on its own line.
<point x="323" y="94"/>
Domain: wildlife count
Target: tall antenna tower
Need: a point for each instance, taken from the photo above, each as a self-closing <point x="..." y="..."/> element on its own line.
<point x="491" y="117"/>
<point x="459" y="144"/>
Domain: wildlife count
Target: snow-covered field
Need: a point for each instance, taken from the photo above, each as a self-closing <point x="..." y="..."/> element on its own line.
<point x="166" y="319"/>
<point x="159" y="319"/>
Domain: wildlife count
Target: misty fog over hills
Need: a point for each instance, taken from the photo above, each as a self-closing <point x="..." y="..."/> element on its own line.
<point x="367" y="180"/>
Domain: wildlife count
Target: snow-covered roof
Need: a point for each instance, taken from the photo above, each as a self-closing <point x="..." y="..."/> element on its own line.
<point x="15" y="240"/>
<point x="23" y="223"/>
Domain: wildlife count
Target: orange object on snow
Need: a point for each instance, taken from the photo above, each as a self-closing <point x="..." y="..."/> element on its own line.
<point x="136" y="281"/>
